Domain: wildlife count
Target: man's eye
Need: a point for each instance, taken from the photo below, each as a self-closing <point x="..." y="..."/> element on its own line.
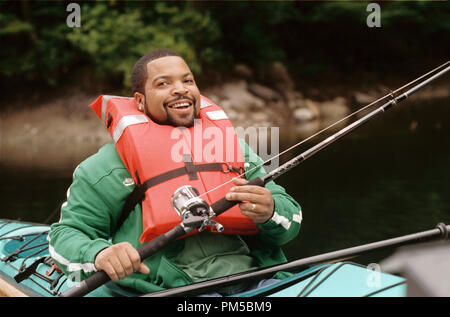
<point x="190" y="81"/>
<point x="162" y="83"/>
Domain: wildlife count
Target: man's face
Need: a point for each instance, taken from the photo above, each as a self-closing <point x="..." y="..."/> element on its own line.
<point x="171" y="94"/>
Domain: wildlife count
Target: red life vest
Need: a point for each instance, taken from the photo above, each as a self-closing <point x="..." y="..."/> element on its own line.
<point x="162" y="158"/>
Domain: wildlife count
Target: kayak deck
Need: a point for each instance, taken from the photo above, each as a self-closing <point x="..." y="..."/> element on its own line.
<point x="341" y="279"/>
<point x="24" y="256"/>
<point x="24" y="250"/>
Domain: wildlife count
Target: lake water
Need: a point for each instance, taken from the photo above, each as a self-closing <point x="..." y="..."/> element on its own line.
<point x="388" y="178"/>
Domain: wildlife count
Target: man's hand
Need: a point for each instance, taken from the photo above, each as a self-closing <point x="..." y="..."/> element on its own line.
<point x="119" y="261"/>
<point x="256" y="201"/>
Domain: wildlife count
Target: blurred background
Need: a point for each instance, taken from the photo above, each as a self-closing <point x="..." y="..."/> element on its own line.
<point x="298" y="66"/>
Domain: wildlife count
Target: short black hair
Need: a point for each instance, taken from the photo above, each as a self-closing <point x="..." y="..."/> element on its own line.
<point x="139" y="72"/>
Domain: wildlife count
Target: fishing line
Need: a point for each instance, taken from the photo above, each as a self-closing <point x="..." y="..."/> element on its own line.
<point x="389" y="95"/>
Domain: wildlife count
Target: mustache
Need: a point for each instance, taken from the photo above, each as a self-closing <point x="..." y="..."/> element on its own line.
<point x="180" y="98"/>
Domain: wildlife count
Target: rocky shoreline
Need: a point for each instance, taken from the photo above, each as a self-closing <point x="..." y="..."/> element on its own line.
<point x="61" y="133"/>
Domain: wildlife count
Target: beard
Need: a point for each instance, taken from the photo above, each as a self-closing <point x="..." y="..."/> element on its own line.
<point x="185" y="121"/>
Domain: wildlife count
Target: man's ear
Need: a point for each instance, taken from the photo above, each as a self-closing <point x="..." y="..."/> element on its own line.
<point x="139" y="99"/>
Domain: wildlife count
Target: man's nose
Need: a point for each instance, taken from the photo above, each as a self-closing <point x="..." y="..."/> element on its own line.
<point x="179" y="88"/>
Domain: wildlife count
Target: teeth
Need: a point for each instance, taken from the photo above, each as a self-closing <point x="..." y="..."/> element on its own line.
<point x="178" y="105"/>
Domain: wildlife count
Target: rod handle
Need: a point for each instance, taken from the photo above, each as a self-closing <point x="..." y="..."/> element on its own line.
<point x="99" y="278"/>
<point x="223" y="204"/>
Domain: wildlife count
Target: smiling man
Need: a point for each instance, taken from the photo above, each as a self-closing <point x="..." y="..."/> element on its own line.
<point x="164" y="88"/>
<point x="90" y="235"/>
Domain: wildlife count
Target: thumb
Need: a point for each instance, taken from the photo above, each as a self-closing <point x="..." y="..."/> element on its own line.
<point x="143" y="268"/>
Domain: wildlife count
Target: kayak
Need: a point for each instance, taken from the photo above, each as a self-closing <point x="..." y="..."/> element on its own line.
<point x="24" y="256"/>
<point x="26" y="269"/>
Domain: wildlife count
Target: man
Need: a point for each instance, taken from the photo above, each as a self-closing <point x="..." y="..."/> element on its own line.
<point x="87" y="237"/>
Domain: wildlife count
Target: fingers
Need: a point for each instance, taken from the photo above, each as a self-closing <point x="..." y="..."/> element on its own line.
<point x="250" y="207"/>
<point x="125" y="265"/>
<point x="243" y="196"/>
<point x="109" y="269"/>
<point x="239" y="181"/>
<point x="255" y="194"/>
<point x="118" y="268"/>
<point x="256" y="216"/>
<point x="119" y="261"/>
<point x="131" y="260"/>
<point x="241" y="186"/>
<point x="256" y="201"/>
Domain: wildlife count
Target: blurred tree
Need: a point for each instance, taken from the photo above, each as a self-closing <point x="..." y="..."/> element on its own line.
<point x="312" y="38"/>
<point x="114" y="39"/>
<point x="33" y="41"/>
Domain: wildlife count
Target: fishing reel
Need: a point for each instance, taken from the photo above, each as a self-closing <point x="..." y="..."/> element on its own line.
<point x="187" y="203"/>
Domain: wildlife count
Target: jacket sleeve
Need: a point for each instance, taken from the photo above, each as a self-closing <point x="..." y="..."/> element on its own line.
<point x="285" y="222"/>
<point x="84" y="228"/>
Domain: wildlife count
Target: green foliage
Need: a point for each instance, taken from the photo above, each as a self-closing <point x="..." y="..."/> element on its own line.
<point x="310" y="37"/>
<point x="11" y="25"/>
<point x="29" y="52"/>
<point x="115" y="40"/>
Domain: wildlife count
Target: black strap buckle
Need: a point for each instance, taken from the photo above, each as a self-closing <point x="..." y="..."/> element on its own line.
<point x="229" y="168"/>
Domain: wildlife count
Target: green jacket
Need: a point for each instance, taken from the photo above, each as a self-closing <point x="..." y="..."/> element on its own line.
<point x="100" y="186"/>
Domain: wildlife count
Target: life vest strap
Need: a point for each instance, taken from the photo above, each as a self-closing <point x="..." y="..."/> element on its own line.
<point x="138" y="193"/>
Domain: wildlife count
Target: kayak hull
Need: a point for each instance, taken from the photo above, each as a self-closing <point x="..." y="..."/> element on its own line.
<point x="26" y="270"/>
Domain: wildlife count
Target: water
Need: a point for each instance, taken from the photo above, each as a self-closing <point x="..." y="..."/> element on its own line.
<point x="388" y="178"/>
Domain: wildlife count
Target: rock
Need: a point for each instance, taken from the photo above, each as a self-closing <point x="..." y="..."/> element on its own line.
<point x="306" y="129"/>
<point x="294" y="99"/>
<point x="213" y="98"/>
<point x="226" y="104"/>
<point x="413" y="125"/>
<point x="240" y="98"/>
<point x="296" y="103"/>
<point x="278" y="77"/>
<point x="293" y="94"/>
<point x="313" y="106"/>
<point x="303" y="115"/>
<point x="304" y="110"/>
<point x="336" y="108"/>
<point x="362" y="98"/>
<point x="263" y="92"/>
<point x="243" y="71"/>
<point x="259" y="117"/>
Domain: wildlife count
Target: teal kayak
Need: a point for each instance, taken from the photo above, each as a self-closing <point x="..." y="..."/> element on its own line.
<point x="26" y="269"/>
<point x="24" y="255"/>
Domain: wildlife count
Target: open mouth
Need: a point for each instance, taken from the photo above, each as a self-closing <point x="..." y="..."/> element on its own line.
<point x="180" y="105"/>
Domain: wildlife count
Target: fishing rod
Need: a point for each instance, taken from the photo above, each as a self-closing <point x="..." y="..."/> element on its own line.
<point x="333" y="138"/>
<point x="439" y="232"/>
<point x="196" y="213"/>
<point x="332" y="125"/>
